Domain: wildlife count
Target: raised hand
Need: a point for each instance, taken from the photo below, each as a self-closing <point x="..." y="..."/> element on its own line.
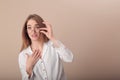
<point x="32" y="60"/>
<point x="47" y="31"/>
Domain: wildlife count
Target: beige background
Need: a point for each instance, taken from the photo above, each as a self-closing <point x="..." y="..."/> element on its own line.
<point x="90" y="28"/>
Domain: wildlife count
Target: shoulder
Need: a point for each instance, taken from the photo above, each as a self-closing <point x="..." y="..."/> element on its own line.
<point x="24" y="52"/>
<point x="49" y="43"/>
<point x="22" y="56"/>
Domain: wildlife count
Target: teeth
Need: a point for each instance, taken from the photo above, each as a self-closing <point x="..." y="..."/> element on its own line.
<point x="34" y="35"/>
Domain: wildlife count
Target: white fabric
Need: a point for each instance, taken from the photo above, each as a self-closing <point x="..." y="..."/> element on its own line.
<point x="49" y="67"/>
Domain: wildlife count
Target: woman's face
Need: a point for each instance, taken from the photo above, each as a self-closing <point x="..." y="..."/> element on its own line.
<point x="33" y="30"/>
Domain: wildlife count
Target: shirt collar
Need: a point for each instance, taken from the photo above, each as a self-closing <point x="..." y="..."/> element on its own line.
<point x="43" y="51"/>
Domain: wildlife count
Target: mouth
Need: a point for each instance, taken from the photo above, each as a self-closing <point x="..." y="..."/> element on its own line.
<point x="34" y="35"/>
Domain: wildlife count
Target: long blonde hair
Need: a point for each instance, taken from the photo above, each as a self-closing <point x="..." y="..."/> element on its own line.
<point x="26" y="41"/>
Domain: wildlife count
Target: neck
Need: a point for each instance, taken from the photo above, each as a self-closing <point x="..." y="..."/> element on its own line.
<point x="37" y="45"/>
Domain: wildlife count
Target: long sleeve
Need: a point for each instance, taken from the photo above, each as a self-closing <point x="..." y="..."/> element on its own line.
<point x="64" y="53"/>
<point x="22" y="67"/>
<point x="49" y="67"/>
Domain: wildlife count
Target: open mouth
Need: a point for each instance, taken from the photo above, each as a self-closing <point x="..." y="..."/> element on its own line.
<point x="34" y="35"/>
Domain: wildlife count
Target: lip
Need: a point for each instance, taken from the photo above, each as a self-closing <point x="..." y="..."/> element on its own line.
<point x="34" y="35"/>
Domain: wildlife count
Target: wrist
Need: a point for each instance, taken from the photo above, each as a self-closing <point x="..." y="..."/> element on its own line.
<point x="52" y="39"/>
<point x="29" y="70"/>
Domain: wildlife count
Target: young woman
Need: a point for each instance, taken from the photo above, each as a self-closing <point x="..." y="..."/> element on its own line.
<point x="41" y="54"/>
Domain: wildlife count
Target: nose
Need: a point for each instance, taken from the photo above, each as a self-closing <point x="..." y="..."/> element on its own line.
<point x="33" y="30"/>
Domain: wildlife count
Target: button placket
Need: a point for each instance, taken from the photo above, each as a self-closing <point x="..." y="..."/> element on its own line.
<point x="44" y="70"/>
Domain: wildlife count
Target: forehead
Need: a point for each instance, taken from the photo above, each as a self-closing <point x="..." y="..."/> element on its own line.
<point x="31" y="22"/>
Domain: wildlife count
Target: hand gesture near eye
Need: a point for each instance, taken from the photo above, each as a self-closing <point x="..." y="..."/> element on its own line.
<point x="47" y="31"/>
<point x="32" y="60"/>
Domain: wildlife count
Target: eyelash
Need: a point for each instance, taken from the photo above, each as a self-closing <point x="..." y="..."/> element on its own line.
<point x="28" y="27"/>
<point x="37" y="27"/>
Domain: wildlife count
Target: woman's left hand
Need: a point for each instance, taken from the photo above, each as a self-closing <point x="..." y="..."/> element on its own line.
<point x="47" y="31"/>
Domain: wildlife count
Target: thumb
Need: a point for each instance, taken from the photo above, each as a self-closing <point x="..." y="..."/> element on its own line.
<point x="27" y="55"/>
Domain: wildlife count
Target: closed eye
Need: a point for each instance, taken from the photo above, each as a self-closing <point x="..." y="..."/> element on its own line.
<point x="28" y="27"/>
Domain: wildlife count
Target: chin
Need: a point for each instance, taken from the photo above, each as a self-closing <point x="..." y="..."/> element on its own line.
<point x="34" y="39"/>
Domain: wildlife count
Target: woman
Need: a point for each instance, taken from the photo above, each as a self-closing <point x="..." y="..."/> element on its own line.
<point x="41" y="54"/>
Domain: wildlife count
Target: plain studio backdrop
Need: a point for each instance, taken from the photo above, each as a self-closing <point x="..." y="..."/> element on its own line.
<point x="90" y="28"/>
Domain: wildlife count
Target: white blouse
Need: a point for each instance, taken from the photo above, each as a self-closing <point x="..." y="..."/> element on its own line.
<point x="49" y="67"/>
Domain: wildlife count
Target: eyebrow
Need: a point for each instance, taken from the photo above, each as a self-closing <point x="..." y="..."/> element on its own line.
<point x="35" y="24"/>
<point x="28" y="25"/>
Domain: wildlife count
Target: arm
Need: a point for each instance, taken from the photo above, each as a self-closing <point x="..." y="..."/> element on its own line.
<point x="22" y="66"/>
<point x="26" y="64"/>
<point x="64" y="53"/>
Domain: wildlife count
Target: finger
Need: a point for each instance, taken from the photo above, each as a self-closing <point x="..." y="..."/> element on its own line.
<point x="43" y="29"/>
<point x="35" y="53"/>
<point x="44" y="32"/>
<point x="27" y="55"/>
<point x="47" y="24"/>
<point x="37" y="57"/>
<point x="40" y="54"/>
<point x="36" y="60"/>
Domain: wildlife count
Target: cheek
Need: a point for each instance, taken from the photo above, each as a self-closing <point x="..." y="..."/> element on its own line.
<point x="28" y="32"/>
<point x="38" y="31"/>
